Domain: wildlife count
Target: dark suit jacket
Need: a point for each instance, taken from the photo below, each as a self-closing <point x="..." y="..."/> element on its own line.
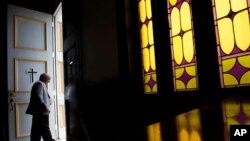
<point x="39" y="100"/>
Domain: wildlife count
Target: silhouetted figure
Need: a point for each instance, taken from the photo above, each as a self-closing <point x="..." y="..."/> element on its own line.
<point x="39" y="107"/>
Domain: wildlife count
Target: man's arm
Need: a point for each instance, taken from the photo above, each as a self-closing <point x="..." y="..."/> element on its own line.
<point x="40" y="95"/>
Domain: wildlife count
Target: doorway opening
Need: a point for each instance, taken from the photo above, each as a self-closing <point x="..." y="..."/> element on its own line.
<point x="59" y="72"/>
<point x="34" y="46"/>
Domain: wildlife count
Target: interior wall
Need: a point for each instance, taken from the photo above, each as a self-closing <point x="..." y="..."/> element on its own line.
<point x="100" y="73"/>
<point x="107" y="113"/>
<point x="99" y="41"/>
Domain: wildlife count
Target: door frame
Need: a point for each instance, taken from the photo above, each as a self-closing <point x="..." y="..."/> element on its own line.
<point x="60" y="100"/>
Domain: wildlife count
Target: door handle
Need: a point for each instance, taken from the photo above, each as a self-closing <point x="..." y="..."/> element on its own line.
<point x="12" y="102"/>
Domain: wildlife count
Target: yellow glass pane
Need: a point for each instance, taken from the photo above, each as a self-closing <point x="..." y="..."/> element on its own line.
<point x="150" y="33"/>
<point x="147" y="89"/>
<point x="152" y="57"/>
<point x="245" y="79"/>
<point x="229" y="80"/>
<point x="148" y="7"/>
<point x="244" y="61"/>
<point x="147" y="78"/>
<point x="177" y="49"/>
<point x="191" y="70"/>
<point x="144" y="36"/>
<point x="228" y="64"/>
<point x="146" y="59"/>
<point x="185" y="16"/>
<point x="154" y="89"/>
<point x="142" y="10"/>
<point x="180" y="85"/>
<point x="154" y="77"/>
<point x="192" y="83"/>
<point x="242" y="30"/>
<point x="178" y="72"/>
<point x="175" y="21"/>
<point x="226" y="35"/>
<point x="195" y="136"/>
<point x="188" y="46"/>
<point x="238" y="5"/>
<point x="183" y="135"/>
<point x="222" y="8"/>
<point x="172" y="2"/>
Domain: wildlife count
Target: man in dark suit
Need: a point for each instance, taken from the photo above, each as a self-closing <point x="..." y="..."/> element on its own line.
<point x="39" y="108"/>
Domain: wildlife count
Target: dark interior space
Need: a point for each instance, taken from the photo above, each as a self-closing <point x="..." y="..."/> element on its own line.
<point x="3" y="77"/>
<point x="102" y="40"/>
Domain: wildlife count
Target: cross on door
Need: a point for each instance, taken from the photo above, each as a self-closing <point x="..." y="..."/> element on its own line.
<point x="32" y="72"/>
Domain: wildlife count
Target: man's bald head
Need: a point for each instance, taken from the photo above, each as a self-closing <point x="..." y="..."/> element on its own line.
<point x="44" y="77"/>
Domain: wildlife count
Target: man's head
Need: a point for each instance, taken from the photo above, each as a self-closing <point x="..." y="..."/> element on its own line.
<point x="44" y="77"/>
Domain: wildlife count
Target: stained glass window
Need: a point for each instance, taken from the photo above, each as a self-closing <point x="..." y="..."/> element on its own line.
<point x="236" y="112"/>
<point x="188" y="126"/>
<point x="154" y="132"/>
<point x="231" y="19"/>
<point x="147" y="46"/>
<point x="182" y="45"/>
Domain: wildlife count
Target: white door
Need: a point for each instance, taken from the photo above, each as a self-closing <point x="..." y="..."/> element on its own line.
<point x="59" y="74"/>
<point x="30" y="53"/>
